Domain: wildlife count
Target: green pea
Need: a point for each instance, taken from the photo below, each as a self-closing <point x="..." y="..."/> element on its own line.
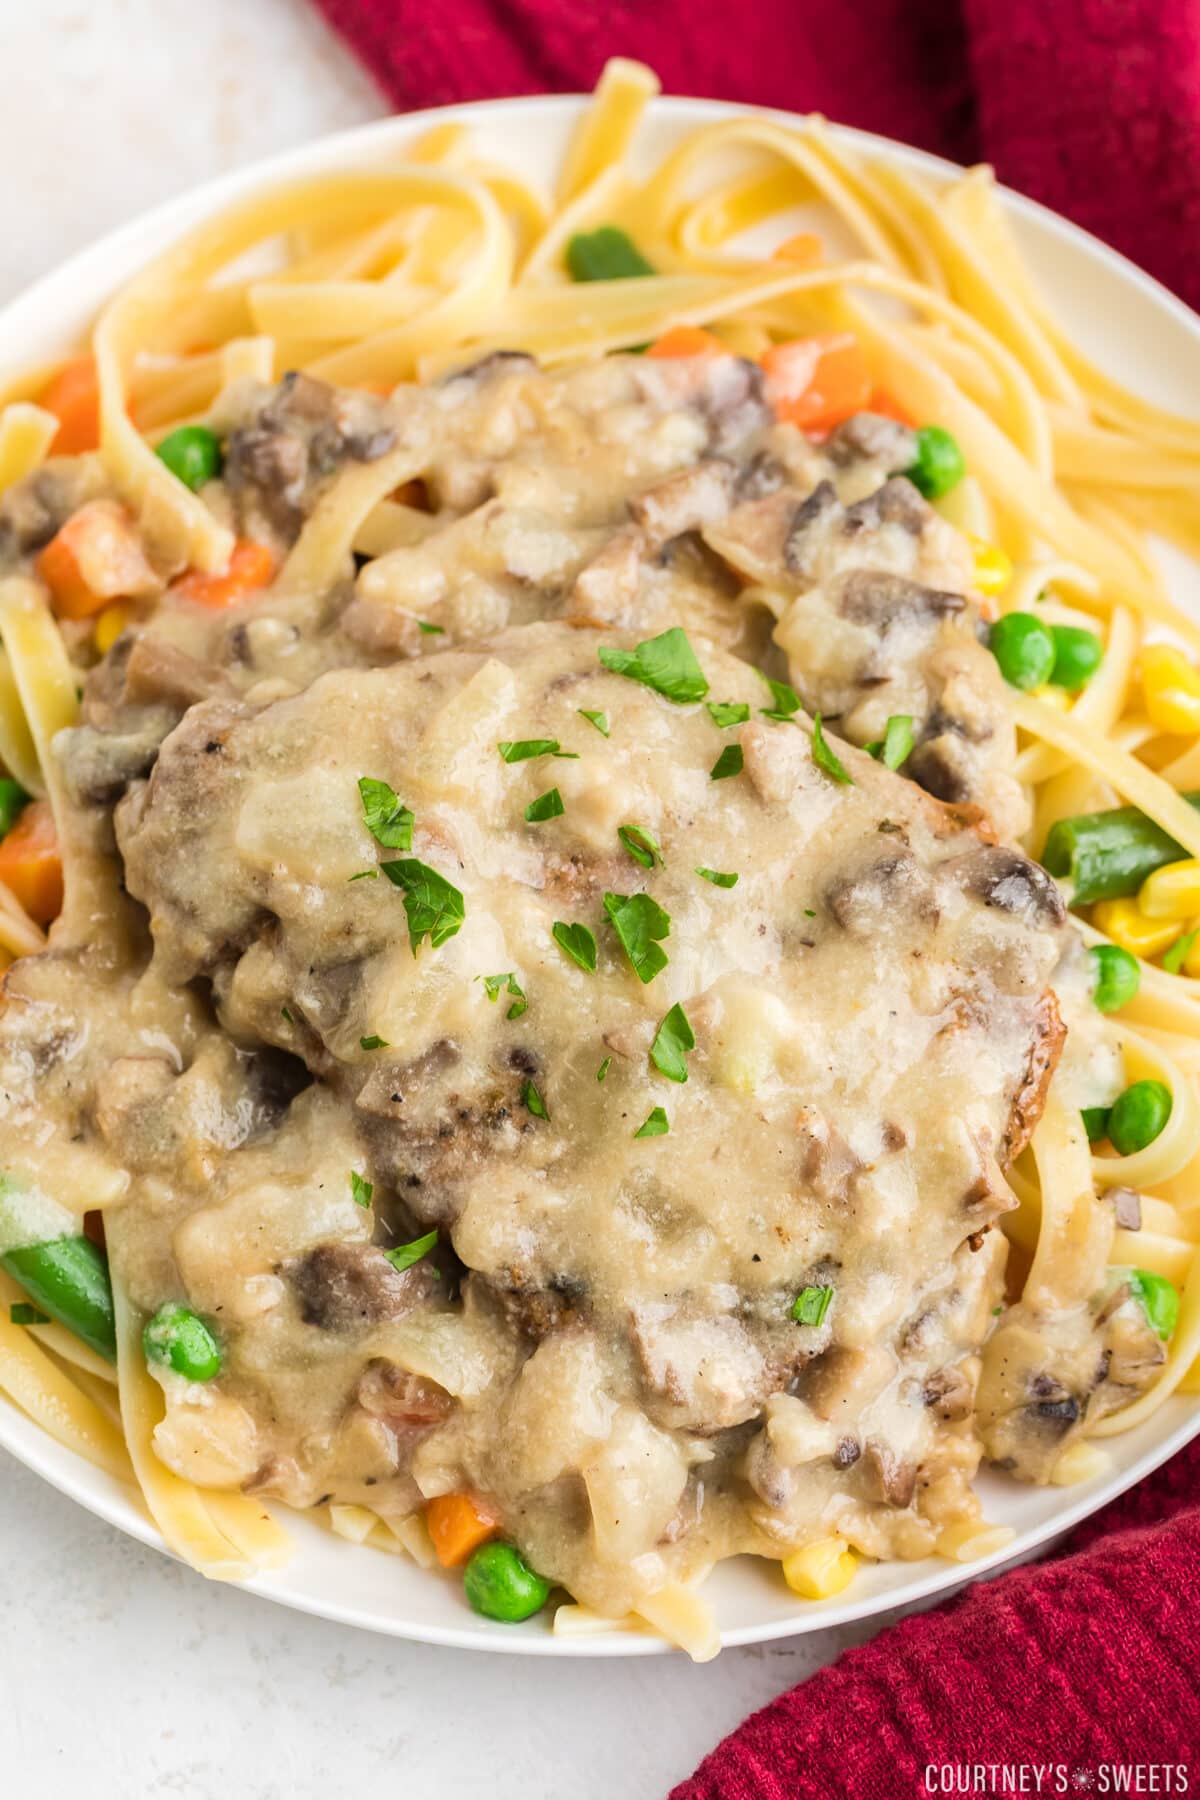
<point x="1138" y="1116"/>
<point x="500" y="1584"/>
<point x="179" y="1338"/>
<point x="13" y="801"/>
<point x="1078" y="653"/>
<point x="1095" y="1122"/>
<point x="1023" y="648"/>
<point x="940" y="464"/>
<point x="1116" y="977"/>
<point x="193" y="453"/>
<point x="1159" y="1299"/>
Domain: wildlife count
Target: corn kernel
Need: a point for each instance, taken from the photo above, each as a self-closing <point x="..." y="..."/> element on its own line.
<point x="1171" y="686"/>
<point x="818" y="1571"/>
<point x="993" y="569"/>
<point x="1172" y="892"/>
<point x="1056" y="697"/>
<point x="109" y="626"/>
<point x="1126" y="924"/>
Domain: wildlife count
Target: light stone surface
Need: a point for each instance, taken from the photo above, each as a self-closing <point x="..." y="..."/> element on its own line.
<point x="122" y="1674"/>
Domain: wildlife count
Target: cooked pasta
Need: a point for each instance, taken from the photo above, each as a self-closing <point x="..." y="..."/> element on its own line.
<point x="359" y="475"/>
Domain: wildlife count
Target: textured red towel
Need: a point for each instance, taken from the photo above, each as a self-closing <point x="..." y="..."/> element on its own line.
<point x="1090" y="105"/>
<point x="1085" y="1666"/>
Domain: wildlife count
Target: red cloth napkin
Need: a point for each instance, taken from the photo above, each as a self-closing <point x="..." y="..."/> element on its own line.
<point x="1092" y="106"/>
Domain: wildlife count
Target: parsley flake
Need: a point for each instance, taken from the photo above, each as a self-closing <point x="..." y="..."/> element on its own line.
<point x="666" y="663"/>
<point x="577" y="942"/>
<point x="824" y="757"/>
<point x="787" y="700"/>
<point x="730" y="762"/>
<point x="672" y="1041"/>
<point x="547" y="806"/>
<point x="728" y="712"/>
<point x="639" y="922"/>
<point x="366" y="875"/>
<point x="405" y="1255"/>
<point x="361" y="1188"/>
<point x="719" y="877"/>
<point x="431" y="630"/>
<point x="640" y="845"/>
<point x="533" y="1100"/>
<point x="434" y="906"/>
<point x="515" y="750"/>
<point x="602" y="1071"/>
<point x="285" y="1014"/>
<point x="895" y="746"/>
<point x="657" y="1125"/>
<point x="598" y="719"/>
<point x="497" y="984"/>
<point x="385" y="815"/>
<point x="373" y="1043"/>
<point x="1174" y="959"/>
<point x="21" y="1313"/>
<point x="811" y="1304"/>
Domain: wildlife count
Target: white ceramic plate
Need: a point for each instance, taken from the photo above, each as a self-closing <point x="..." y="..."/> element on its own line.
<point x="1121" y="318"/>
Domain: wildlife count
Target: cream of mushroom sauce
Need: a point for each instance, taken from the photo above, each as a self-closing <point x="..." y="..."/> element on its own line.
<point x="602" y="1341"/>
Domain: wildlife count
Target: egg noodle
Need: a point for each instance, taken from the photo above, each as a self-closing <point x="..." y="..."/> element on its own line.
<point x="375" y="276"/>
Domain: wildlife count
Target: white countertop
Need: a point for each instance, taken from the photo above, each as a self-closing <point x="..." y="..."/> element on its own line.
<point x="117" y="1667"/>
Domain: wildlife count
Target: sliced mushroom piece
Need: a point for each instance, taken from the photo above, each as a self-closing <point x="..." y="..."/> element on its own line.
<point x="685" y="502"/>
<point x="872" y="437"/>
<point x="1003" y="878"/>
<point x="882" y="601"/>
<point x="351" y="1287"/>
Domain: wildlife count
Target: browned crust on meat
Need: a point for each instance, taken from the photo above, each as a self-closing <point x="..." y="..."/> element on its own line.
<point x="1030" y="1098"/>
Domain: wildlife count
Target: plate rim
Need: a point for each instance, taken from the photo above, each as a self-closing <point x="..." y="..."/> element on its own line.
<point x="152" y="230"/>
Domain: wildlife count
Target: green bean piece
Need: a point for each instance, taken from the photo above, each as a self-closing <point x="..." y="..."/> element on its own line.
<point x="606" y="254"/>
<point x="179" y="1339"/>
<point x="1106" y="855"/>
<point x="1095" y="1122"/>
<point x="1159" y="1299"/>
<point x="68" y="1278"/>
<point x="500" y="1584"/>
<point x="1078" y="654"/>
<point x="193" y="453"/>
<point x="1024" y="649"/>
<point x="1139" y="1116"/>
<point x="940" y="464"/>
<point x="1116" y="977"/>
<point x="13" y="801"/>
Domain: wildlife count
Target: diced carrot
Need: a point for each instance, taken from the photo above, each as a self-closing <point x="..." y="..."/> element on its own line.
<point x="30" y="863"/>
<point x="882" y="402"/>
<point x="805" y="248"/>
<point x="96" y="557"/>
<point x="817" y="382"/>
<point x="251" y="566"/>
<point x="458" y="1524"/>
<point x="74" y="397"/>
<point x="687" y="340"/>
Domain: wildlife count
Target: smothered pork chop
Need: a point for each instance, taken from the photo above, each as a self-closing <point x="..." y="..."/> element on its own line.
<point x="565" y="1072"/>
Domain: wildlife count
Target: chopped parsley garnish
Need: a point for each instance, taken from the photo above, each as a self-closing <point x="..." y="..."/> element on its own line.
<point x="811" y="1304"/>
<point x="666" y="663"/>
<point x="361" y="1188"/>
<point x="366" y="875"/>
<point x="577" y="942"/>
<point x="657" y="1125"/>
<point x="498" y="984"/>
<point x="547" y="806"/>
<point x="515" y="750"/>
<point x="431" y="630"/>
<point x="640" y="922"/>
<point x="602" y="1071"/>
<point x="598" y="719"/>
<point x="285" y="1014"/>
<point x="895" y="746"/>
<point x="606" y="254"/>
<point x="434" y="906"/>
<point x="373" y="1043"/>
<point x="719" y="877"/>
<point x="730" y="762"/>
<point x="405" y="1255"/>
<point x="728" y="712"/>
<point x="823" y="756"/>
<point x="385" y="815"/>
<point x="1174" y="959"/>
<point x="21" y="1313"/>
<point x="640" y="845"/>
<point x="787" y="700"/>
<point x="533" y="1100"/>
<point x="672" y="1041"/>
